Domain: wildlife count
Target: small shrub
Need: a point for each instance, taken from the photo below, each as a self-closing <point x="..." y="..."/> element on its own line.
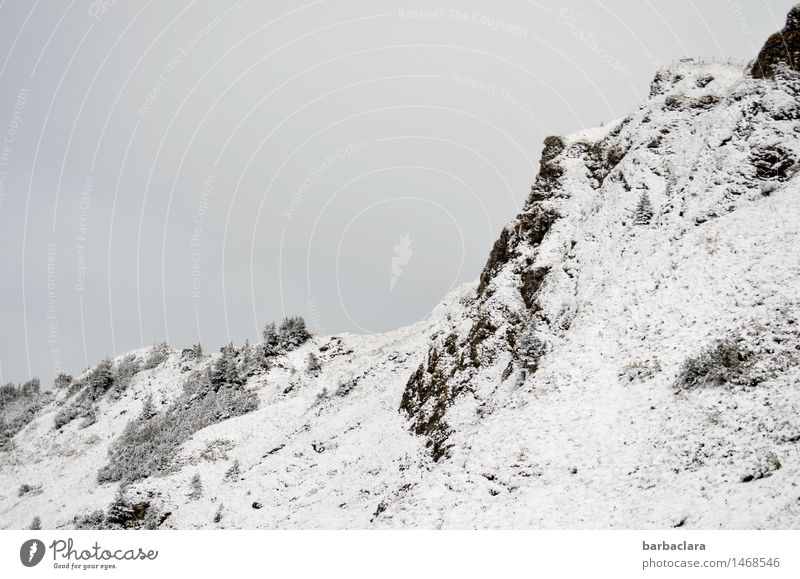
<point x="313" y="365"/>
<point x="36" y="524"/>
<point x="234" y="472"/>
<point x="158" y="355"/>
<point x="127" y="368"/>
<point x="196" y="488"/>
<point x="122" y="514"/>
<point x="346" y="387"/>
<point x="321" y="397"/>
<point x="725" y="362"/>
<point x="640" y="371"/>
<point x="764" y="467"/>
<point x="530" y="349"/>
<point x="62" y="381"/>
<point x="93" y="521"/>
<point x="218" y="514"/>
<point x="91" y="388"/>
<point x="27" y="489"/>
<point x="18" y="407"/>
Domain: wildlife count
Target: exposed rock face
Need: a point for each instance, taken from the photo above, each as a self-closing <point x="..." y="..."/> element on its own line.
<point x="780" y="49"/>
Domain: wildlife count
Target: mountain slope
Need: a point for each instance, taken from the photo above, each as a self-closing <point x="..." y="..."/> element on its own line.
<point x="629" y="358"/>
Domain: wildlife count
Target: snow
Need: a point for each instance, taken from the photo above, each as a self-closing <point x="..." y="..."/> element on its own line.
<point x="593" y="134"/>
<point x="577" y="444"/>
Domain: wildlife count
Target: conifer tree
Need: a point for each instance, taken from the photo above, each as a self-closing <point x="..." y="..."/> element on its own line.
<point x="644" y="210"/>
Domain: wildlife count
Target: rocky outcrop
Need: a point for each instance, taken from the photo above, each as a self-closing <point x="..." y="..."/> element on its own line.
<point x="780" y="49"/>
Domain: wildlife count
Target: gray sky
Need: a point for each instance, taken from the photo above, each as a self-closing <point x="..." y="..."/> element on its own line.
<point x="187" y="171"/>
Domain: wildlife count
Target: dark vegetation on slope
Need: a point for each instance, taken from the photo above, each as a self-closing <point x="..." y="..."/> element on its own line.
<point x="105" y="379"/>
<point x="150" y="442"/>
<point x="763" y="351"/>
<point x="122" y="513"/>
<point x="18" y="406"/>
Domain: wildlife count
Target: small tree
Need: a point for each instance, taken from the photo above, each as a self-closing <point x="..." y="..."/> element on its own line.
<point x="313" y="365"/>
<point x="271" y="344"/>
<point x="225" y="370"/>
<point x="36" y="524"/>
<point x="247" y="365"/>
<point x="234" y="472"/>
<point x="644" y="210"/>
<point x="158" y="355"/>
<point x="530" y="349"/>
<point x="197" y="487"/>
<point x="31" y="388"/>
<point x="198" y="350"/>
<point x="293" y="333"/>
<point x="120" y="511"/>
<point x="148" y="408"/>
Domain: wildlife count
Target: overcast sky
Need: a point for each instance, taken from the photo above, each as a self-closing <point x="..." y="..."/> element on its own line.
<point x="187" y="171"/>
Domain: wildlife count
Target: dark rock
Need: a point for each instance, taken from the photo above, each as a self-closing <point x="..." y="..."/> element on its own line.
<point x="780" y="49"/>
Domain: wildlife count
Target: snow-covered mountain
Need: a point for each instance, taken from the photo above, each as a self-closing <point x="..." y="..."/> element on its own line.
<point x="629" y="358"/>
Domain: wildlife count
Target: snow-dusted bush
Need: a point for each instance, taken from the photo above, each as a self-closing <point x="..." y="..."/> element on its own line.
<point x="293" y="333"/>
<point x="18" y="406"/>
<point x="196" y="488"/>
<point x="530" y="349"/>
<point x="62" y="381"/>
<point x="346" y="387"/>
<point x="157" y="356"/>
<point x="313" y="365"/>
<point x="92" y="387"/>
<point x="725" y="362"/>
<point x="92" y="521"/>
<point x="127" y="368"/>
<point x="36" y="524"/>
<point x="122" y="514"/>
<point x="640" y="370"/>
<point x="234" y="473"/>
<point x="764" y="467"/>
<point x="26" y="489"/>
<point x="149" y="442"/>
